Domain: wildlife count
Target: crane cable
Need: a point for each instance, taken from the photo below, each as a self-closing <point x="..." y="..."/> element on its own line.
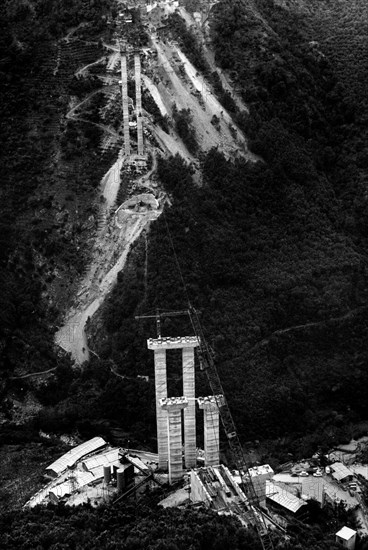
<point x="196" y="326"/>
<point x="176" y="259"/>
<point x="266" y="542"/>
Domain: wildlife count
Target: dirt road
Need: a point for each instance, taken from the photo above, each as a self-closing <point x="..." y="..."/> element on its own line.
<point x="111" y="250"/>
<point x="155" y="94"/>
<point x="111" y="181"/>
<point x="190" y="91"/>
<point x="80" y="72"/>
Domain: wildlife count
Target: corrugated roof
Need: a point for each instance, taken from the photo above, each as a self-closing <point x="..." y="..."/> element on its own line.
<point x="283" y="498"/>
<point x="70" y="458"/>
<point x="340" y="471"/>
<point x="101" y="460"/>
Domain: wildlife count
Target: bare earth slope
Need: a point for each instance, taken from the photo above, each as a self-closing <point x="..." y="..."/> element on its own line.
<point x="173" y="82"/>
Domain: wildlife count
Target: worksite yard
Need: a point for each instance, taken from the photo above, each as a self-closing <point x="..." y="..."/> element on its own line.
<point x="314" y="486"/>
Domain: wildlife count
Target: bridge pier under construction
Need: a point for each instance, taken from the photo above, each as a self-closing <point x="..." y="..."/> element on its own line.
<point x="187" y="345"/>
<point x="125" y="101"/>
<point x="210" y="406"/>
<point x="124" y="96"/>
<point x="168" y="427"/>
<point x="138" y="102"/>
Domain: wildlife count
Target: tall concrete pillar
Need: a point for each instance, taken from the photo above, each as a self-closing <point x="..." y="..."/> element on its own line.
<point x="161" y="414"/>
<point x="174" y="406"/>
<point x="210" y="406"/>
<point x="138" y="101"/>
<point x="189" y="412"/>
<point x="124" y="95"/>
<point x="159" y="346"/>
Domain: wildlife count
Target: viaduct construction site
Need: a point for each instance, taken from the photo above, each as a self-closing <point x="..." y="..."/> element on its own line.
<point x="171" y="412"/>
<point x="173" y="84"/>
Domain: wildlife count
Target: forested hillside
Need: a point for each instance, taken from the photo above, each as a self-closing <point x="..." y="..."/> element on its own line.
<point x="49" y="167"/>
<point x="273" y="254"/>
<point x="126" y="527"/>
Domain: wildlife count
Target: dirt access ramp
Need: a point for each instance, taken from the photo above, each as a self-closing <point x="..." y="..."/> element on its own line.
<point x="183" y="86"/>
<point x="109" y="258"/>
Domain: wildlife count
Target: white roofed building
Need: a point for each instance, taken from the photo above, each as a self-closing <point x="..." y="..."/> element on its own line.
<point x="284" y="499"/>
<point x="341" y="473"/>
<point x="346" y="537"/>
<point x="259" y="475"/>
<point x="70" y="458"/>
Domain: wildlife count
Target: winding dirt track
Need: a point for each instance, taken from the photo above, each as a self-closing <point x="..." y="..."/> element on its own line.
<point x="109" y="258"/>
<point x="70" y="115"/>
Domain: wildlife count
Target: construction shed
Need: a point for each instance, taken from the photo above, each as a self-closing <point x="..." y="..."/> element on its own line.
<point x="70" y="458"/>
<point x="282" y="499"/>
<point x="341" y="473"/>
<point x="346" y="537"/>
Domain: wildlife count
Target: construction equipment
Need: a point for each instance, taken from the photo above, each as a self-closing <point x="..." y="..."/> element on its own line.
<point x="207" y="364"/>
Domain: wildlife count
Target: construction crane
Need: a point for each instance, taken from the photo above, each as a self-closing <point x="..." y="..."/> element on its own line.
<point x="158" y="315"/>
<point x="207" y="364"/>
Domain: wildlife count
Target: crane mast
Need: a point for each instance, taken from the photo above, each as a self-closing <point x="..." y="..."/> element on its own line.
<point x="207" y="364"/>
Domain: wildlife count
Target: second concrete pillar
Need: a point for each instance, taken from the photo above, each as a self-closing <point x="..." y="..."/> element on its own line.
<point x="189" y="412"/>
<point x="174" y="406"/>
<point x="210" y="406"/>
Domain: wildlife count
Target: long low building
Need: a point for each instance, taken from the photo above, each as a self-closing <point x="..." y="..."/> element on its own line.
<point x="70" y="458"/>
<point x="341" y="473"/>
<point x="285" y="500"/>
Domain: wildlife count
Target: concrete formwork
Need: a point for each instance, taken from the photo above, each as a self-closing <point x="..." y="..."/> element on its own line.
<point x="210" y="406"/>
<point x="259" y="476"/>
<point x="159" y="346"/>
<point x="189" y="412"/>
<point x="161" y="414"/>
<point x="124" y="95"/>
<point x="138" y="101"/>
<point x="174" y="406"/>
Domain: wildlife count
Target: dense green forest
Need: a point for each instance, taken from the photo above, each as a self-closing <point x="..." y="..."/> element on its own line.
<point x="127" y="527"/>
